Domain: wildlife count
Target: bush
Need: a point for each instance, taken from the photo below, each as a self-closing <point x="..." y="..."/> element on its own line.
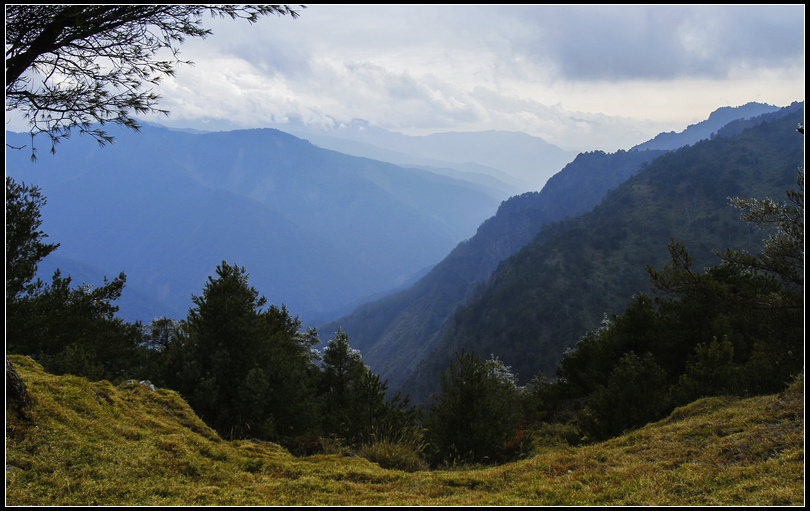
<point x="305" y="446"/>
<point x="549" y="436"/>
<point x="633" y="397"/>
<point x="398" y="449"/>
<point x="515" y="448"/>
<point x="711" y="372"/>
<point x="394" y="455"/>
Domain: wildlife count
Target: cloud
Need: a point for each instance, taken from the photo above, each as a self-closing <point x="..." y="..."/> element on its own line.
<point x="617" y="43"/>
<point x="571" y="74"/>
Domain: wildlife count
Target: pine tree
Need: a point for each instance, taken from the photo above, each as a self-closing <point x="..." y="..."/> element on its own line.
<point x="783" y="254"/>
<point x="66" y="329"/>
<point x="634" y="395"/>
<point x="25" y="246"/>
<point x="245" y="371"/>
<point x="341" y="388"/>
<point x="354" y="399"/>
<point x="476" y="413"/>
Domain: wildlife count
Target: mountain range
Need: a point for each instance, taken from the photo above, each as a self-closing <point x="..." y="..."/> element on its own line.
<point x="321" y="231"/>
<point x="410" y="337"/>
<point x="317" y="230"/>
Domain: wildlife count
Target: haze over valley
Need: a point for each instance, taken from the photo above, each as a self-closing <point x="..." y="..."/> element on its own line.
<point x="386" y="252"/>
<point x="405" y="254"/>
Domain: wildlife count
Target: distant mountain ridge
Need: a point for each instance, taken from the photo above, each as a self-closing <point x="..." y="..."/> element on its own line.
<point x="485" y="176"/>
<point x="316" y="229"/>
<point x="522" y="161"/>
<point x="398" y="333"/>
<point x="704" y="129"/>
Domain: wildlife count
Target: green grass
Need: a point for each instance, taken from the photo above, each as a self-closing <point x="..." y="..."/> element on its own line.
<point x="92" y="443"/>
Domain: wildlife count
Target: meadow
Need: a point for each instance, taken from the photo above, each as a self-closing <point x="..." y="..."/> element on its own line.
<point x="92" y="443"/>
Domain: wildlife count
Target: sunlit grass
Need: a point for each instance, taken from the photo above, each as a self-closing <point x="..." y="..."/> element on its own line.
<point x="89" y="443"/>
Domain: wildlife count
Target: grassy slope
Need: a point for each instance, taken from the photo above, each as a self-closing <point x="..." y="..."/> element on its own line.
<point x="92" y="443"/>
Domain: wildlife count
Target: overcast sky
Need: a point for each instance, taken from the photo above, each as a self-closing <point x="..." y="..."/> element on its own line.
<point x="582" y="77"/>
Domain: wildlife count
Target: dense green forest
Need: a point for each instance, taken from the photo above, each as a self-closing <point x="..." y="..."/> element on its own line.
<point x="729" y="324"/>
<point x="562" y="284"/>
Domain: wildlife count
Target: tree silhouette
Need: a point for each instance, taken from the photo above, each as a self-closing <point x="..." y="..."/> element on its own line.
<point x="75" y="66"/>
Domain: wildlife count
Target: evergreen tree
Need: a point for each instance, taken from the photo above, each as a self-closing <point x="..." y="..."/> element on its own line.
<point x="159" y="333"/>
<point x="245" y="371"/>
<point x="67" y="330"/>
<point x="25" y="246"/>
<point x="161" y="350"/>
<point x="74" y="331"/>
<point x="783" y="254"/>
<point x="342" y="371"/>
<point x="292" y="372"/>
<point x="635" y="394"/>
<point x="354" y="403"/>
<point x="711" y="371"/>
<point x="476" y="413"/>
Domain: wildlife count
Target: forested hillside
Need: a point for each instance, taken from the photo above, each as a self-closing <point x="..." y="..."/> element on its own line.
<point x="395" y="332"/>
<point x="543" y="299"/>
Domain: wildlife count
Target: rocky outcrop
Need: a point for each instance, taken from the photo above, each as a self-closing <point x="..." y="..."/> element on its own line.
<point x="16" y="394"/>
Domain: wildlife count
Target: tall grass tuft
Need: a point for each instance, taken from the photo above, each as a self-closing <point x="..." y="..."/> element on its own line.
<point x="398" y="451"/>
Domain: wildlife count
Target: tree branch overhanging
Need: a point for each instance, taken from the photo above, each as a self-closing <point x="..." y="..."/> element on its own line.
<point x="70" y="59"/>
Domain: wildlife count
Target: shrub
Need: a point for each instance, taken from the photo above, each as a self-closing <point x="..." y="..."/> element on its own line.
<point x="305" y="446"/>
<point x="548" y="436"/>
<point x="394" y="455"/>
<point x="633" y="396"/>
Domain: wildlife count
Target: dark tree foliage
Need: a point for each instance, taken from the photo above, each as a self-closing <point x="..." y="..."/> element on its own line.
<point x="25" y="246"/>
<point x="710" y="371"/>
<point x="159" y="333"/>
<point x="160" y="343"/>
<point x="68" y="330"/>
<point x="342" y="372"/>
<point x="73" y="66"/>
<point x="245" y="371"/>
<point x="635" y="394"/>
<point x="73" y="330"/>
<point x="353" y="398"/>
<point x="476" y="413"/>
<point x="783" y="254"/>
<point x="735" y="328"/>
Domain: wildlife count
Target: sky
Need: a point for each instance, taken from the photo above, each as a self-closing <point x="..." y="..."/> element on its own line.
<point x="582" y="77"/>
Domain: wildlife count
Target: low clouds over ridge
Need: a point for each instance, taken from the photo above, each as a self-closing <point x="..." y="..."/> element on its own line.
<point x="582" y="77"/>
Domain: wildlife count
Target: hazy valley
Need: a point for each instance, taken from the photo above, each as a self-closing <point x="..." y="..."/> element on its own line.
<point x="386" y="255"/>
